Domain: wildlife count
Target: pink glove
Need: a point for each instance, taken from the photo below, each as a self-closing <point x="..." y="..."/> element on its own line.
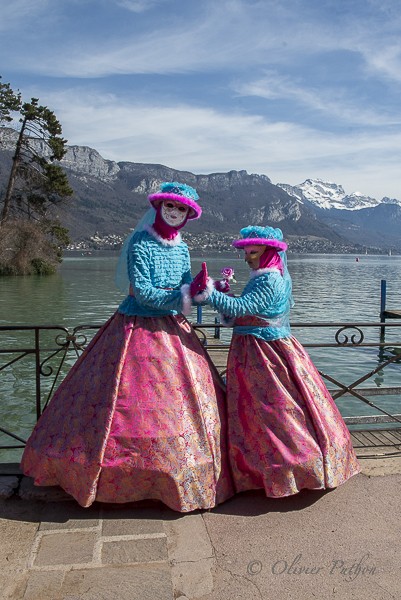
<point x="199" y="282"/>
<point x="222" y="286"/>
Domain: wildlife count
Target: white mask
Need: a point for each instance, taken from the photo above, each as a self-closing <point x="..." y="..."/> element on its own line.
<point x="174" y="213"/>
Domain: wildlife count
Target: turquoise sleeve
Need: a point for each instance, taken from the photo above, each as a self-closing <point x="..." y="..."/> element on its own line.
<point x="265" y="295"/>
<point x="187" y="276"/>
<point x="140" y="278"/>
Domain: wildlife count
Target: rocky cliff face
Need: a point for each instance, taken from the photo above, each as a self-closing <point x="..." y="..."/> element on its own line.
<point x="110" y="197"/>
<point x="84" y="161"/>
<point x="81" y="160"/>
<point x="8" y="137"/>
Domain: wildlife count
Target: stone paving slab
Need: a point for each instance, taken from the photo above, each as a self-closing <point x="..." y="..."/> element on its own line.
<point x="69" y="515"/>
<point x="122" y="551"/>
<point x="131" y="522"/>
<point x="191" y="555"/>
<point x="343" y="544"/>
<point x="66" y="552"/>
<point x="106" y="583"/>
<point x="64" y="548"/>
<point x="302" y="547"/>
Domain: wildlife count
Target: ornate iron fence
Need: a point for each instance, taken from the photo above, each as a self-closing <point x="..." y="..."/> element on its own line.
<point x="351" y="337"/>
<point x="35" y="359"/>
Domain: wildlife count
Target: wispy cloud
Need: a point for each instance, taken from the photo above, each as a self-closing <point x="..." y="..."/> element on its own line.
<point x="385" y="61"/>
<point x="316" y="89"/>
<point x="19" y="12"/>
<point x="334" y="102"/>
<point x="207" y="36"/>
<point x="139" y="6"/>
<point x="205" y="140"/>
<point x="212" y="39"/>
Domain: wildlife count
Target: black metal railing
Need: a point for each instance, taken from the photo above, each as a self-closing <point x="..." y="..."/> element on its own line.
<point x="35" y="359"/>
<point x="349" y="336"/>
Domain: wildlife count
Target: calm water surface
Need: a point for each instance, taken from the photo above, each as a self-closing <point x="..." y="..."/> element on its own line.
<point x="326" y="288"/>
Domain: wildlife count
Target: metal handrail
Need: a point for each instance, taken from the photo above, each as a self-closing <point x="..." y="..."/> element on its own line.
<point x="67" y="342"/>
<point x="350" y="335"/>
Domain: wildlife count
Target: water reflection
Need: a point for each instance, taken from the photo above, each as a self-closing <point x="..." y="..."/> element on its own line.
<point x="326" y="289"/>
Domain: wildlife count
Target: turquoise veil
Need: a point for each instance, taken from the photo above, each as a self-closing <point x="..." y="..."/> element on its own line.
<point x="121" y="278"/>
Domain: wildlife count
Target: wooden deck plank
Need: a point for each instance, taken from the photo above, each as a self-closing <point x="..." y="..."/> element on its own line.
<point x="367" y="440"/>
<point x="10" y="469"/>
<point x="381" y="439"/>
<point x="372" y="440"/>
<point x="366" y="443"/>
<point x="358" y="439"/>
<point x="393" y="438"/>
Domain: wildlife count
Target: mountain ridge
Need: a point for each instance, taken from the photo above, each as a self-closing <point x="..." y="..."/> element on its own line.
<point x="109" y="198"/>
<point x="361" y="218"/>
<point x="327" y="195"/>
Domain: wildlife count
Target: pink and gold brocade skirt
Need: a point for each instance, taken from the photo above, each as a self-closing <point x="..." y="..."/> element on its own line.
<point x="141" y="415"/>
<point x="285" y="431"/>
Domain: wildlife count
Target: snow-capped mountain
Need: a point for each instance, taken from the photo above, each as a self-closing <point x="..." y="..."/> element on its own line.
<point x="359" y="218"/>
<point x="315" y="216"/>
<point x="109" y="197"/>
<point x="327" y="195"/>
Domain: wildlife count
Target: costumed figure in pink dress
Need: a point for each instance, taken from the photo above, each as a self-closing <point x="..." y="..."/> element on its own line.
<point x="285" y="431"/>
<point x="141" y="414"/>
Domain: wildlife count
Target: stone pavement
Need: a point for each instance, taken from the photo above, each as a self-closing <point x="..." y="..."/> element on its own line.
<point x="341" y="544"/>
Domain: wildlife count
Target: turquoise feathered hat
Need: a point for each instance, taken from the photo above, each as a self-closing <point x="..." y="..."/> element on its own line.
<point x="180" y="192"/>
<point x="256" y="235"/>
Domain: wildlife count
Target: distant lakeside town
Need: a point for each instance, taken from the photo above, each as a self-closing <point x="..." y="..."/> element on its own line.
<point x="220" y="243"/>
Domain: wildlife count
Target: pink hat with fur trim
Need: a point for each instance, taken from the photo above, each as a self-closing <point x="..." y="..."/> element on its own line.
<point x="254" y="235"/>
<point x="179" y="192"/>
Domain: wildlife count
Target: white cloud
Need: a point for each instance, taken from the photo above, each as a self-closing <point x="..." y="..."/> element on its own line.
<point x="227" y="34"/>
<point x="211" y="35"/>
<point x="210" y="41"/>
<point x="385" y="61"/>
<point x="335" y="102"/>
<point x="139" y="6"/>
<point x="206" y="140"/>
<point x="20" y="12"/>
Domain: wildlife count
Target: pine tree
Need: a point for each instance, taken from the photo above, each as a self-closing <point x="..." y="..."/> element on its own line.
<point x="9" y="102"/>
<point x="36" y="182"/>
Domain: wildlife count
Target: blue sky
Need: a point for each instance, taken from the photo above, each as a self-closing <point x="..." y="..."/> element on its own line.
<point x="292" y="89"/>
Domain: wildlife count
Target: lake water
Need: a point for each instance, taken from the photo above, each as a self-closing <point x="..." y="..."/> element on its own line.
<point x="326" y="288"/>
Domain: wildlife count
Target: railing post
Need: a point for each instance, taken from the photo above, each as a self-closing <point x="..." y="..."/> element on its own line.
<point x="383" y="292"/>
<point x="199" y="314"/>
<point x="37" y="373"/>
<point x="217" y="329"/>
